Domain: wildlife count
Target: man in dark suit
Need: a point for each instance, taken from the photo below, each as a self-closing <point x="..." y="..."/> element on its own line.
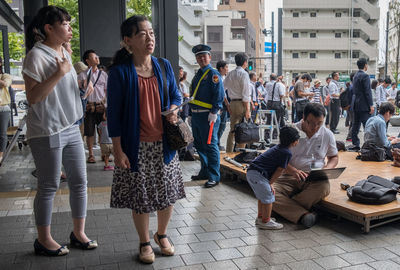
<point x="362" y="102"/>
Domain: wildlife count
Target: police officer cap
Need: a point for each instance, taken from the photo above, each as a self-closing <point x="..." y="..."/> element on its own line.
<point x="201" y="48"/>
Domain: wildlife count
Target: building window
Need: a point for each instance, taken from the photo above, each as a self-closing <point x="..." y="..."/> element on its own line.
<point x="214" y="37"/>
<point x="295" y="55"/>
<point x="295" y="35"/>
<point x="356" y="13"/>
<point x="197" y="33"/>
<point x="294" y="75"/>
<point x="242" y="14"/>
<point x="240" y="0"/>
<point x="356" y="34"/>
<point x="356" y="55"/>
<point x="338" y="35"/>
<point x="313" y="14"/>
<point x="313" y="35"/>
<point x="312" y="75"/>
<point x="295" y="14"/>
<point x="224" y="2"/>
<point x="313" y="55"/>
<point x="237" y="36"/>
<point x="338" y="55"/>
<point x="197" y="13"/>
<point x="338" y="14"/>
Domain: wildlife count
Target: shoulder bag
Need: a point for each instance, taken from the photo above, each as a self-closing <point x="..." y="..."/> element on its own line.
<point x="179" y="134"/>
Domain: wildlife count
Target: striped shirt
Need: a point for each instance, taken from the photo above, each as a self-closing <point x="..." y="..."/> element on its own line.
<point x="317" y="94"/>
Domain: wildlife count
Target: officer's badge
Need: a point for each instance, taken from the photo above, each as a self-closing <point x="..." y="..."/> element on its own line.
<point x="215" y="79"/>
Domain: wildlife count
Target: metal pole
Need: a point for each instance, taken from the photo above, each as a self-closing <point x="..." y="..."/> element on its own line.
<point x="280" y="13"/>
<point x="272" y="44"/>
<point x="387" y="42"/>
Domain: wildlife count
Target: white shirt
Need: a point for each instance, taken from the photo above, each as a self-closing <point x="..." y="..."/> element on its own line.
<point x="253" y="92"/>
<point x="62" y="107"/>
<point x="392" y="93"/>
<point x="100" y="88"/>
<point x="381" y="94"/>
<point x="322" y="144"/>
<point x="333" y="89"/>
<point x="237" y="82"/>
<point x="279" y="90"/>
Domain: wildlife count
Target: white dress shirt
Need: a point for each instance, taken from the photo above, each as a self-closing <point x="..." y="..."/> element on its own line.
<point x="333" y="89"/>
<point x="322" y="144"/>
<point x="237" y="82"/>
<point x="279" y="90"/>
<point x="381" y="94"/>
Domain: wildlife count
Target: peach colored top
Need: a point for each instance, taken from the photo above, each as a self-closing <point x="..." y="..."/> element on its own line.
<point x="151" y="125"/>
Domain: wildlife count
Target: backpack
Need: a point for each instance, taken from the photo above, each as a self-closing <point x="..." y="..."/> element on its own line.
<point x="246" y="157"/>
<point x="344" y="99"/>
<point x="246" y="132"/>
<point x="373" y="190"/>
<point x="372" y="152"/>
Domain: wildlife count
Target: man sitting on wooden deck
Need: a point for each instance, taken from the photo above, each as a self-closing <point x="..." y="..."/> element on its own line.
<point x="294" y="196"/>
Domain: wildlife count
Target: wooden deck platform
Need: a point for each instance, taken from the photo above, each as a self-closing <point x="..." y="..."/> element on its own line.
<point x="337" y="202"/>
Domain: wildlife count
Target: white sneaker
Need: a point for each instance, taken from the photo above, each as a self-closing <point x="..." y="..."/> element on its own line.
<point x="270" y="225"/>
<point x="259" y="220"/>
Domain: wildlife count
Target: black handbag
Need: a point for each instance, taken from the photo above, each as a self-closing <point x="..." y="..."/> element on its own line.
<point x="179" y="134"/>
<point x="372" y="152"/>
<point x="246" y="132"/>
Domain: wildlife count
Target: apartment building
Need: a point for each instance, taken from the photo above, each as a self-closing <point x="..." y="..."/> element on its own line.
<point x="393" y="40"/>
<point x="228" y="33"/>
<point x="321" y="36"/>
<point x="225" y="31"/>
<point x="254" y="11"/>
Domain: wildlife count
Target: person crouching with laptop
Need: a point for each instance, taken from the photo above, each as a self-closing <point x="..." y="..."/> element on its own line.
<point x="264" y="170"/>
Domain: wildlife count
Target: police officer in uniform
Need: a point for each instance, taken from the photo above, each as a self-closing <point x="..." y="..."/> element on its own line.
<point x="208" y="94"/>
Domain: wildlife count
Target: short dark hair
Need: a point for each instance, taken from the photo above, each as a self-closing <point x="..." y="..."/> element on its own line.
<point x="315" y="109"/>
<point x="352" y="76"/>
<point x="334" y="74"/>
<point x="251" y="75"/>
<point x="380" y="80"/>
<point x="179" y="68"/>
<point x="86" y="54"/>
<point x="273" y="77"/>
<point x="288" y="135"/>
<point x="388" y="81"/>
<point x="361" y="63"/>
<point x="393" y="83"/>
<point x="184" y="75"/>
<point x="374" y="83"/>
<point x="306" y="76"/>
<point x="328" y="78"/>
<point x="221" y="64"/>
<point x="386" y="107"/>
<point x="240" y="58"/>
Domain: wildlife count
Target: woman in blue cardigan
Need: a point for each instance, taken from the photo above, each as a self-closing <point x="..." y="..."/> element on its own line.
<point x="148" y="176"/>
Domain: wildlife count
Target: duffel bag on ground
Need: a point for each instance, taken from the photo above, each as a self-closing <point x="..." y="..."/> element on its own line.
<point x="246" y="132"/>
<point x="373" y="190"/>
<point x="372" y="152"/>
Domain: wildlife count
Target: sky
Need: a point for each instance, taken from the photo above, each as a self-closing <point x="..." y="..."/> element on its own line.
<point x="273" y="5"/>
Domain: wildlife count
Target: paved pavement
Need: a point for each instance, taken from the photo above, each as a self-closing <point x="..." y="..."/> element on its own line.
<point x="211" y="229"/>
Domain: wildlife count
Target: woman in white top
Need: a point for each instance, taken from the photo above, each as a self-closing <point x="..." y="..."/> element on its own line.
<point x="53" y="135"/>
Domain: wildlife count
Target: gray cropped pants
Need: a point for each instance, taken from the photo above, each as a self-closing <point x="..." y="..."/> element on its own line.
<point x="48" y="154"/>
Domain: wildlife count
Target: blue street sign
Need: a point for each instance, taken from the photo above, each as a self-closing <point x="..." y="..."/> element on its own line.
<point x="372" y="77"/>
<point x="268" y="47"/>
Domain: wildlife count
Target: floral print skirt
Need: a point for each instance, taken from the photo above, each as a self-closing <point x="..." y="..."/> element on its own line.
<point x="155" y="186"/>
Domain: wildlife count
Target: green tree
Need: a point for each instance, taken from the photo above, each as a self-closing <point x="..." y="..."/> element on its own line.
<point x="394" y="7"/>
<point x="72" y="7"/>
<point x="16" y="47"/>
<point x="142" y="7"/>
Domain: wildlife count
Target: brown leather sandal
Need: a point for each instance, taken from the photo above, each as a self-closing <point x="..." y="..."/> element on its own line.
<point x="91" y="159"/>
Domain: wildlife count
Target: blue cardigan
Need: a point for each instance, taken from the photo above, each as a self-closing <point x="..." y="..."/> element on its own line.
<point x="123" y="108"/>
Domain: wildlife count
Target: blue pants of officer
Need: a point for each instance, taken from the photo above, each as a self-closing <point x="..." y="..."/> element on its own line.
<point x="209" y="153"/>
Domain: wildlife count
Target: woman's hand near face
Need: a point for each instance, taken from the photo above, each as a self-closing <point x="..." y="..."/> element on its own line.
<point x="63" y="67"/>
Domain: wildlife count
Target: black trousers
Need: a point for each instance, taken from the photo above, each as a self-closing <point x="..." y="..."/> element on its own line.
<point x="334" y="113"/>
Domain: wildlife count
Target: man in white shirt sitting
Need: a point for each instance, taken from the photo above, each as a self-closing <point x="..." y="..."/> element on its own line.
<point x="295" y="197"/>
<point x="237" y="83"/>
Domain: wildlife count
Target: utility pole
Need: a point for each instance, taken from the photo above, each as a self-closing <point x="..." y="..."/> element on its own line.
<point x="387" y="43"/>
<point x="280" y="13"/>
<point x="272" y="43"/>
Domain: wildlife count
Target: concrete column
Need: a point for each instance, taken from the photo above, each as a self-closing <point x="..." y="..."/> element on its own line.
<point x="165" y="24"/>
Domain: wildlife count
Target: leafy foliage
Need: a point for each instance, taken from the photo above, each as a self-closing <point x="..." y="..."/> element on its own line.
<point x="142" y="7"/>
<point x="16" y="46"/>
<point x="72" y="7"/>
<point x="394" y="8"/>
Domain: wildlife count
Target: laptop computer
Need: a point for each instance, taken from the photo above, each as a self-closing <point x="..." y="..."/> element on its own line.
<point x="324" y="174"/>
